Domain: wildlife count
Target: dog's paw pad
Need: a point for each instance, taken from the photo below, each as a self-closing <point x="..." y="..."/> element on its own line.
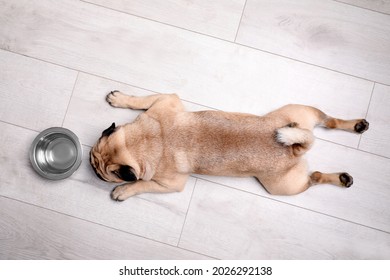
<point x="346" y="180"/>
<point x="361" y="126"/>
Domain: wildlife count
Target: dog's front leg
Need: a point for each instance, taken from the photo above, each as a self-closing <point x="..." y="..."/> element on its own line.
<point x="123" y="192"/>
<point x="120" y="100"/>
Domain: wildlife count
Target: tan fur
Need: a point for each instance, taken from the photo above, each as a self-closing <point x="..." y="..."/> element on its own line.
<point x="164" y="145"/>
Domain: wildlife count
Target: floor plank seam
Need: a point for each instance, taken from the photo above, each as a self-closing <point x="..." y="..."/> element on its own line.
<point x="310" y="64"/>
<point x="293" y="205"/>
<point x="353" y="148"/>
<point x="188" y="208"/>
<point x="195" y="103"/>
<point x="368" y="109"/>
<point x="102" y="225"/>
<point x="105" y="78"/>
<point x="359" y="7"/>
<point x="156" y="91"/>
<point x="20" y="126"/>
<point x="156" y="21"/>
<point x="239" y="44"/>
<point x="70" y="99"/>
<point x="239" y="23"/>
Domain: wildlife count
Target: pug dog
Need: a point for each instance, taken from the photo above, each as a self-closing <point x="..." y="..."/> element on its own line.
<point x="165" y="144"/>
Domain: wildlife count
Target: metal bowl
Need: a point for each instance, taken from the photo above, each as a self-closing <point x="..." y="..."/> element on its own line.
<point x="56" y="153"/>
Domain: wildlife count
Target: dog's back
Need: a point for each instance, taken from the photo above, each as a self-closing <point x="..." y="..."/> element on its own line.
<point x="231" y="144"/>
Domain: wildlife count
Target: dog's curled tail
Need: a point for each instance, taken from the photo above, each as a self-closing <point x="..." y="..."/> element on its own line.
<point x="299" y="139"/>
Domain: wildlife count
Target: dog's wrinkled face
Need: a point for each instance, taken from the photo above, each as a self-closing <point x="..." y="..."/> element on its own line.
<point x="105" y="158"/>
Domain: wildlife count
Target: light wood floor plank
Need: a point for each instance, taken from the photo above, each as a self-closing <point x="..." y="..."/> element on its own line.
<point x="382" y="6"/>
<point x="166" y="59"/>
<point x="83" y="195"/>
<point x="33" y="94"/>
<point x="366" y="202"/>
<point x="322" y="32"/>
<point x="231" y="224"/>
<point x="377" y="138"/>
<point x="29" y="232"/>
<point x="217" y="18"/>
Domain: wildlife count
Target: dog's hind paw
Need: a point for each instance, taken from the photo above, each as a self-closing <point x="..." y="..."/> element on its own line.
<point x="361" y="126"/>
<point x="346" y="180"/>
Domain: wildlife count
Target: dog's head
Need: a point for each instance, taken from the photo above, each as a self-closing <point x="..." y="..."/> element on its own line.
<point x="106" y="157"/>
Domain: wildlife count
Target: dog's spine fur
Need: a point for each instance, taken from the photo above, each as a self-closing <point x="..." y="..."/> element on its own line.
<point x="300" y="139"/>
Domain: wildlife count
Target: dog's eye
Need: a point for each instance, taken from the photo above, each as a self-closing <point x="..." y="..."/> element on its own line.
<point x="116" y="172"/>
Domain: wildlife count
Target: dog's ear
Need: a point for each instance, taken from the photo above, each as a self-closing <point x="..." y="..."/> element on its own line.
<point x="109" y="130"/>
<point x="148" y="172"/>
<point x="126" y="173"/>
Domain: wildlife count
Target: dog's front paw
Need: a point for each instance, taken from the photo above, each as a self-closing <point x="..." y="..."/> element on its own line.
<point x="120" y="193"/>
<point x="117" y="99"/>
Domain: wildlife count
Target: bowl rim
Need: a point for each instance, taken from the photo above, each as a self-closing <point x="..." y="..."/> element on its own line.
<point x="45" y="133"/>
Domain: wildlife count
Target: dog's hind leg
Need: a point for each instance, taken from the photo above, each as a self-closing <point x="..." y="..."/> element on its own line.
<point x="308" y="117"/>
<point x="338" y="179"/>
<point x="293" y="181"/>
<point x="297" y="180"/>
<point x="357" y="125"/>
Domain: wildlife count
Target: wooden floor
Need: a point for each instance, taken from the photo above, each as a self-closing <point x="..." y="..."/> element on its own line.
<point x="58" y="60"/>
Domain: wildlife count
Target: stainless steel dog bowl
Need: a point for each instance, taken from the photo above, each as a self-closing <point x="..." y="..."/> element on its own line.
<point x="56" y="153"/>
